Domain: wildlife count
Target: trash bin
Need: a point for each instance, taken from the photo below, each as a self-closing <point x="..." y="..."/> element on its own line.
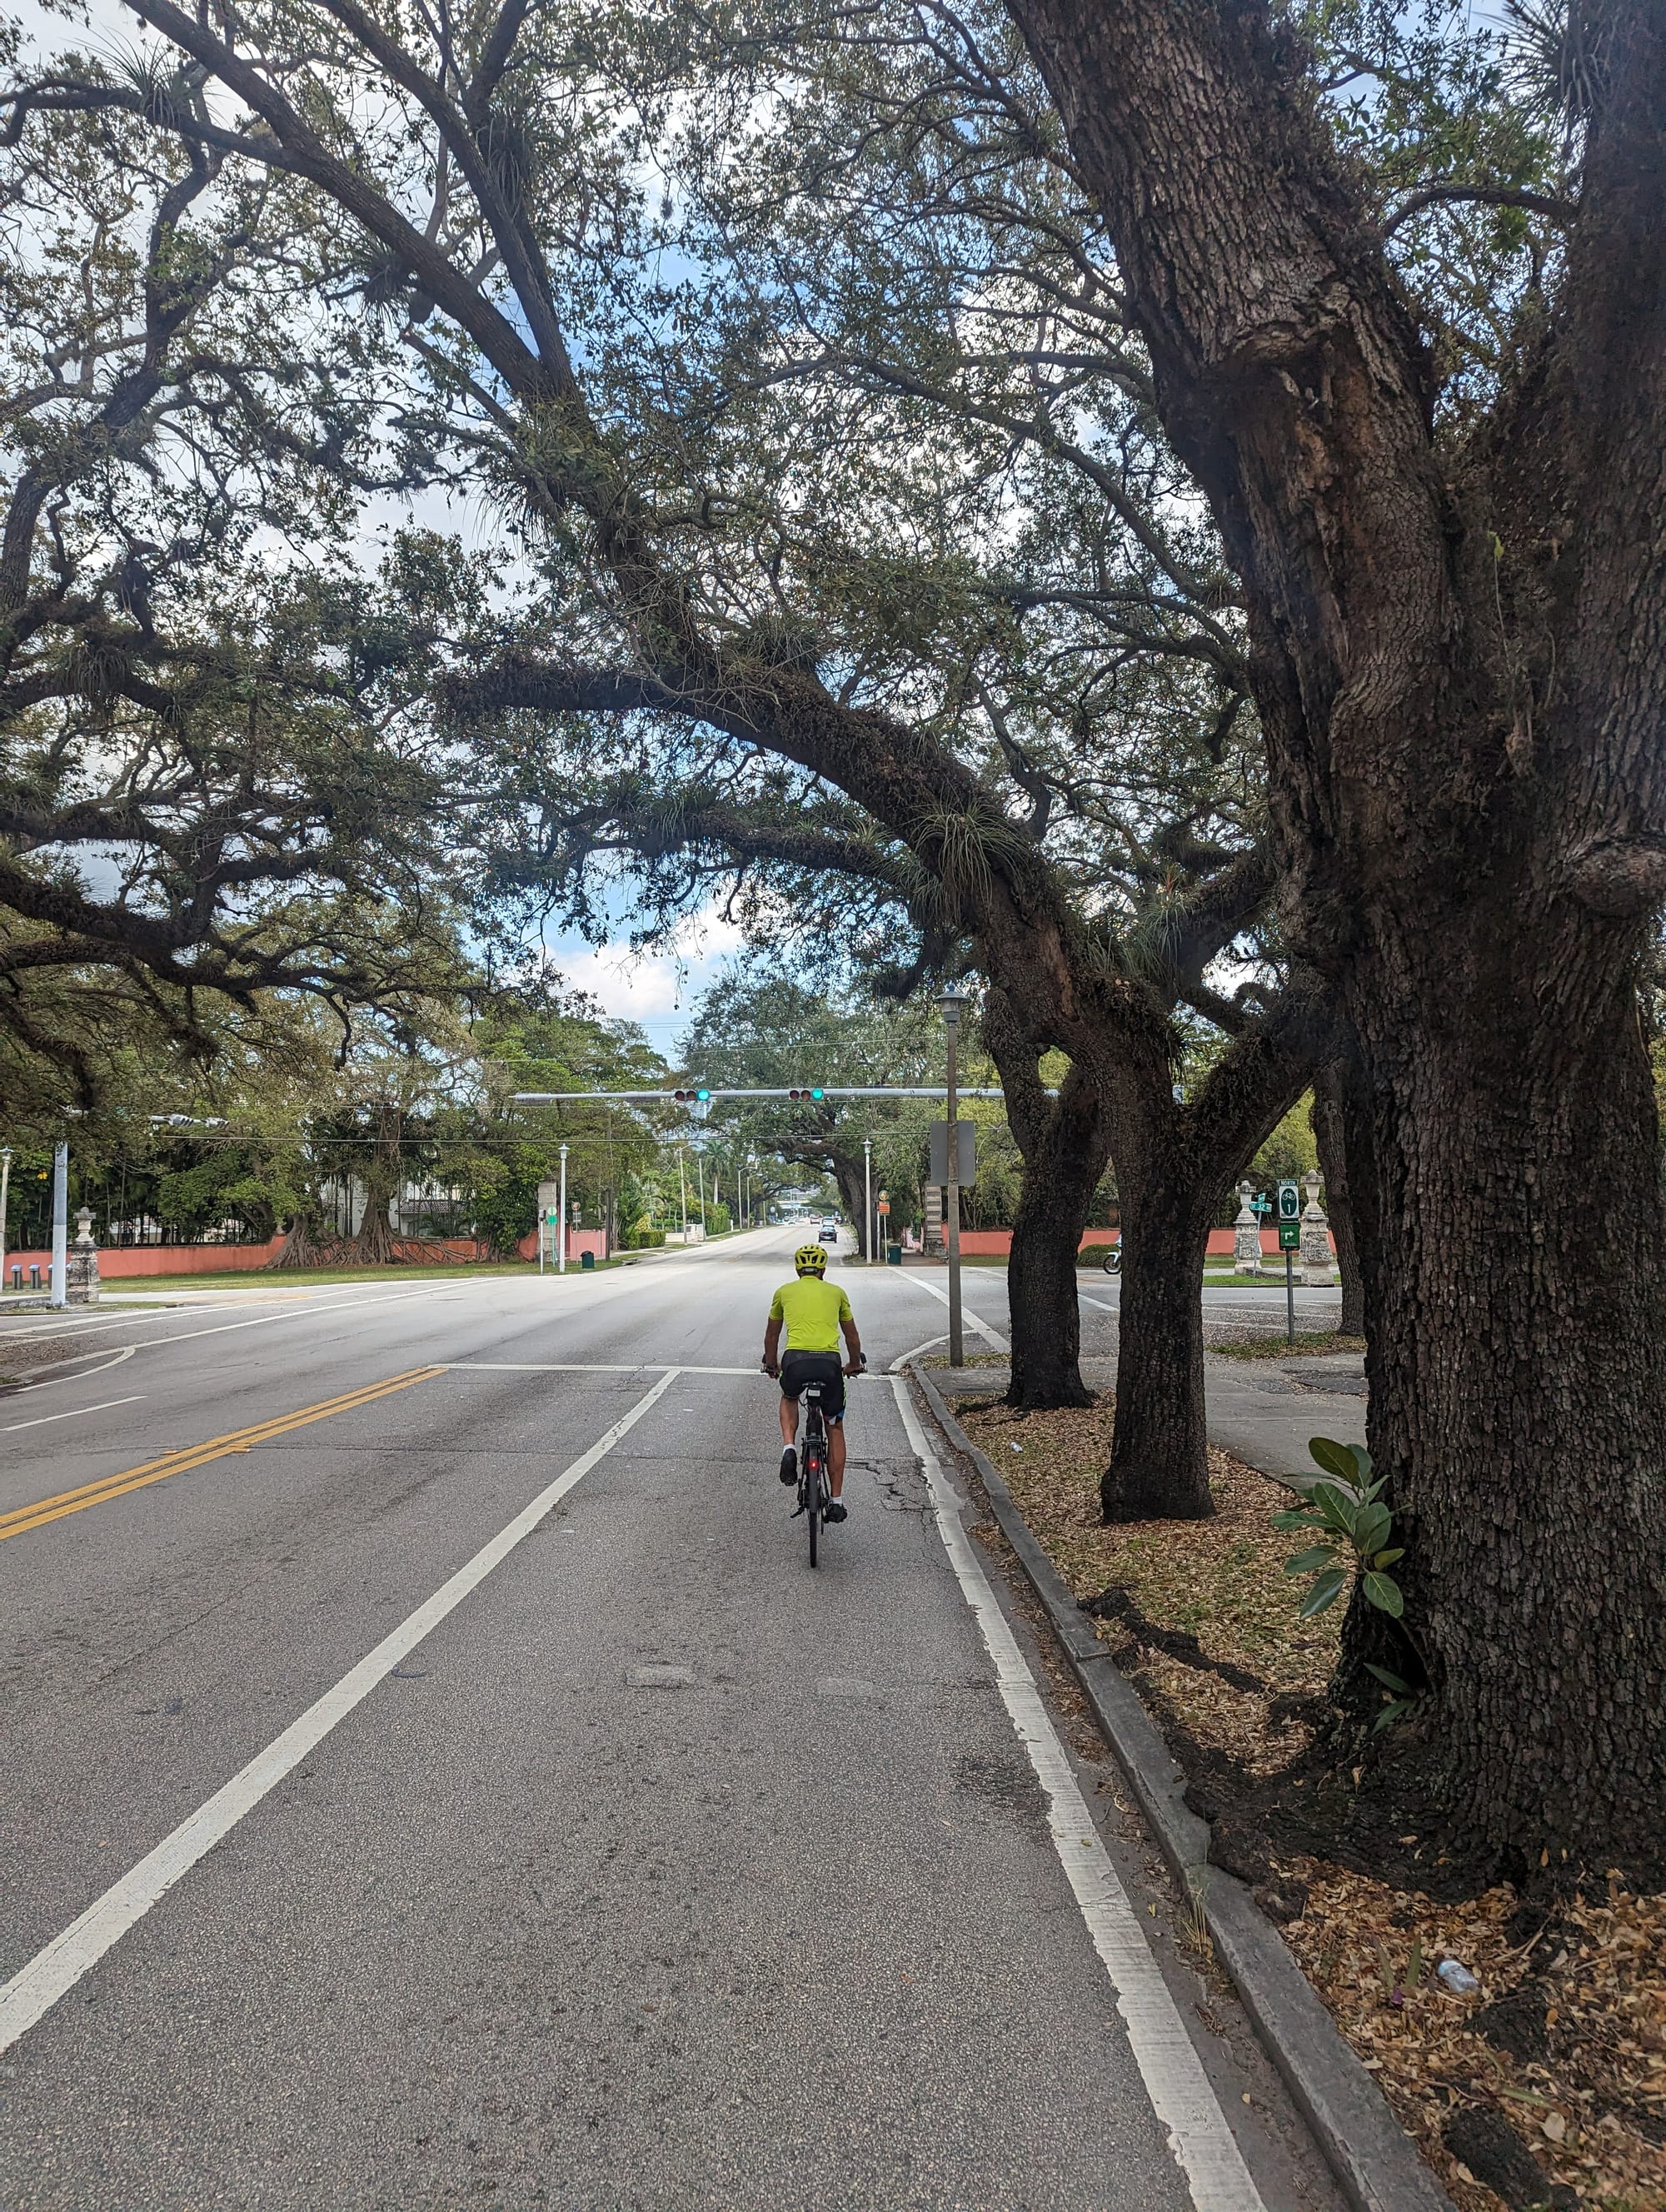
<point x="587" y="1259"/>
<point x="893" y="1255"/>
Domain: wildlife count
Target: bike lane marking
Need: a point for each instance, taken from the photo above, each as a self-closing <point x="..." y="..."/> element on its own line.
<point x="1199" y="2136"/>
<point x="52" y="1972"/>
<point x="969" y="1318"/>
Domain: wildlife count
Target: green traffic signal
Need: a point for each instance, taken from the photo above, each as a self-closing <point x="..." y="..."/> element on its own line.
<point x="816" y="1094"/>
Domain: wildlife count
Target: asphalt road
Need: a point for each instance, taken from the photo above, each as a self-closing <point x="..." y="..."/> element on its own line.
<point x="431" y="1776"/>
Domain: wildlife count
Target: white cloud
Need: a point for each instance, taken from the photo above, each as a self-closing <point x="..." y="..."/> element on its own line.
<point x="657" y="989"/>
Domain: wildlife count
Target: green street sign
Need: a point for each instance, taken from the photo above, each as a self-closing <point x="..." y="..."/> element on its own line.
<point x="1290" y="1202"/>
<point x="1290" y="1236"/>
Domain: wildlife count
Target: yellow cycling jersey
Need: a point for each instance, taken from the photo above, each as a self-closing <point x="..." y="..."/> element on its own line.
<point x="812" y="1310"/>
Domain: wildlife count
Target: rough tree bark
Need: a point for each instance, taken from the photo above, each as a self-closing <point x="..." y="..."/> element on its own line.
<point x="1064" y="1144"/>
<point x="376" y="1242"/>
<point x="1328" y="1119"/>
<point x="1459" y="655"/>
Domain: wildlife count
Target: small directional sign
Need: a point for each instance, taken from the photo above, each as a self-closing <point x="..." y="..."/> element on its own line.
<point x="1290" y="1236"/>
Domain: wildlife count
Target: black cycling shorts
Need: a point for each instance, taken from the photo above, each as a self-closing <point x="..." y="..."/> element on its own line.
<point x="798" y="1368"/>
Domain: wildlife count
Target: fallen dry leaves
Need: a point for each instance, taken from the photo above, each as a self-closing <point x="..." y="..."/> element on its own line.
<point x="1567" y="2033"/>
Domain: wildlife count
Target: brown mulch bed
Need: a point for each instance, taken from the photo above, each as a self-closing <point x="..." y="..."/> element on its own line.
<point x="1564" y="2043"/>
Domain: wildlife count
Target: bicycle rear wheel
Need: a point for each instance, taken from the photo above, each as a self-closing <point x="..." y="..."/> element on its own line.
<point x="814" y="1491"/>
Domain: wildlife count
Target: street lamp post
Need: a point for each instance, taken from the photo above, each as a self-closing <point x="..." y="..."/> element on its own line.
<point x="682" y="1177"/>
<point x="868" y="1184"/>
<point x="700" y="1170"/>
<point x="951" y="1002"/>
<point x="560" y="1255"/>
<point x="5" y="1192"/>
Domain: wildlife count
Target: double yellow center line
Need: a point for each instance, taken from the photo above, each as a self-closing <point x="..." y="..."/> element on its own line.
<point x="177" y="1462"/>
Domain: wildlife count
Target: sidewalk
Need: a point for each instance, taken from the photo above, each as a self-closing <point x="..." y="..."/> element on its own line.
<point x="1265" y="1411"/>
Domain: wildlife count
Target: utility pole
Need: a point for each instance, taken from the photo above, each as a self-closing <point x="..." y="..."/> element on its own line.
<point x="5" y="1192"/>
<point x="952" y="1003"/>
<point x="700" y="1170"/>
<point x="682" y="1177"/>
<point x="867" y="1199"/>
<point x="561" y="1257"/>
<point x="60" y="1223"/>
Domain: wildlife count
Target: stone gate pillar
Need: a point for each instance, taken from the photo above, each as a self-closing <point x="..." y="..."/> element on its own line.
<point x="1318" y="1266"/>
<point x="81" y="1263"/>
<point x="1246" y="1235"/>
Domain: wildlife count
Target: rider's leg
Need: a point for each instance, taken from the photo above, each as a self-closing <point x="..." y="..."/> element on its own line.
<point x="836" y="1456"/>
<point x="789" y="1420"/>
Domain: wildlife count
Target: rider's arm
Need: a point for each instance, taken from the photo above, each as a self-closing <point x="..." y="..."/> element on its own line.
<point x="854" y="1365"/>
<point x="771" y="1341"/>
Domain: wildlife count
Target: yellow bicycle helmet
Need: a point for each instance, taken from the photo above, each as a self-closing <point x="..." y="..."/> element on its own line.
<point x="810" y="1260"/>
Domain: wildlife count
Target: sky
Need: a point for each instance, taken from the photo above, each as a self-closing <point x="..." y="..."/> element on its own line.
<point x="656" y="989"/>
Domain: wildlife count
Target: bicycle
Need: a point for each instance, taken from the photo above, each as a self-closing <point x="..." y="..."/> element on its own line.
<point x="814" y="1492"/>
<point x="1112" y="1263"/>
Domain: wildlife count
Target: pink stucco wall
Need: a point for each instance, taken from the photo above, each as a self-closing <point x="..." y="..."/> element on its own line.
<point x="578" y="1241"/>
<point x="999" y="1240"/>
<point x="120" y="1263"/>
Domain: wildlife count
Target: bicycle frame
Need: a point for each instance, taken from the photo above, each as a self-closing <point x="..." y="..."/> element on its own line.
<point x="813" y="1491"/>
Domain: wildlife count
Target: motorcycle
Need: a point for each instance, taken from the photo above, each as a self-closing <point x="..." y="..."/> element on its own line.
<point x="1112" y="1263"/>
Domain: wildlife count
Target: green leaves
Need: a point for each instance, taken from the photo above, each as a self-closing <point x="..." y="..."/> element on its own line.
<point x="1325" y="1591"/>
<point x="1382" y="1593"/>
<point x="1304" y="1563"/>
<point x="1351" y="1526"/>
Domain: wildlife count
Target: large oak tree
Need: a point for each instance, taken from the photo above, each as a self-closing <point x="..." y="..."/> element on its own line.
<point x="1457" y="609"/>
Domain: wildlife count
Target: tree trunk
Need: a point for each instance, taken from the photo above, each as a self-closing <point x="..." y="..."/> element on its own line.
<point x="1159" y="1457"/>
<point x="1062" y="1170"/>
<point x="377" y="1244"/>
<point x="1329" y="1123"/>
<point x="300" y="1248"/>
<point x="1517" y="1352"/>
<point x="1456" y="655"/>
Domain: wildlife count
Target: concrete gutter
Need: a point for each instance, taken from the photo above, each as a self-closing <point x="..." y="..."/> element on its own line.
<point x="1376" y="2163"/>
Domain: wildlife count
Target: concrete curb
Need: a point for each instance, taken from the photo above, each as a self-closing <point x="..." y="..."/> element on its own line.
<point x="1376" y="2163"/>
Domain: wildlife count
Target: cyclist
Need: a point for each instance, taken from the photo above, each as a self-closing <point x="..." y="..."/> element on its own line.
<point x="813" y="1312"/>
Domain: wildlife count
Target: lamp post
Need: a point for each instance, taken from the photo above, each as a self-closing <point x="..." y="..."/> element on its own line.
<point x="560" y="1255"/>
<point x="5" y="1192"/>
<point x="951" y="1002"/>
<point x="682" y="1177"/>
<point x="700" y="1170"/>
<point x="867" y="1198"/>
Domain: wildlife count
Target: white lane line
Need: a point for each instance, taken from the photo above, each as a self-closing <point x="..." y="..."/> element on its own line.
<point x="36" y="1987"/>
<point x="994" y="1335"/>
<point x="1178" y="2087"/>
<point x="40" y="1420"/>
<point x="903" y="1358"/>
<point x="260" y="1321"/>
<point x="87" y="1374"/>
<point x="1082" y="1299"/>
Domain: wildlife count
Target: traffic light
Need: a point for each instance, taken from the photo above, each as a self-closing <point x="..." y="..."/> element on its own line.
<point x="691" y="1098"/>
<point x="806" y="1094"/>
